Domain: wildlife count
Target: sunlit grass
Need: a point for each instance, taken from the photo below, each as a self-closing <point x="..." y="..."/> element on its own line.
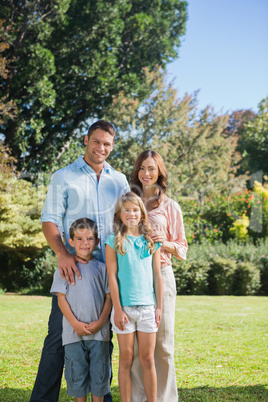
<point x="221" y="351"/>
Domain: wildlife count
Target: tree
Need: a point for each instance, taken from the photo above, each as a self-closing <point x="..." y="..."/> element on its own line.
<point x="7" y="107"/>
<point x="20" y="207"/>
<point x="253" y="142"/>
<point x="69" y="58"/>
<point x="197" y="153"/>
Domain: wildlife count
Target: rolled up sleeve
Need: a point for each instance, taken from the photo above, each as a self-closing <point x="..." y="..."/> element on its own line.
<point x="56" y="201"/>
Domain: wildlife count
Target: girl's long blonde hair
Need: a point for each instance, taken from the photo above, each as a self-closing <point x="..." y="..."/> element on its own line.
<point x="120" y="229"/>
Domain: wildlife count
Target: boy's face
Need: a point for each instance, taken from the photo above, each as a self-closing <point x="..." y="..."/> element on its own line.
<point x="84" y="242"/>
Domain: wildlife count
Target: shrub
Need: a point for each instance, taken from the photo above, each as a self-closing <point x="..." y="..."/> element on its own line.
<point x="246" y="279"/>
<point x="180" y="273"/>
<point x="36" y="275"/>
<point x="41" y="276"/>
<point x="221" y="276"/>
<point x="263" y="265"/>
<point x="192" y="277"/>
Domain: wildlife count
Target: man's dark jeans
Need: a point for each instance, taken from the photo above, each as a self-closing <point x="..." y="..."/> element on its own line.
<point x="48" y="380"/>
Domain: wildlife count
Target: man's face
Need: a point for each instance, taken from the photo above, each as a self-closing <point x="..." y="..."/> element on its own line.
<point x="98" y="147"/>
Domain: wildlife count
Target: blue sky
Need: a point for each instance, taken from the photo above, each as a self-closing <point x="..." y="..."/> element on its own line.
<point x="224" y="54"/>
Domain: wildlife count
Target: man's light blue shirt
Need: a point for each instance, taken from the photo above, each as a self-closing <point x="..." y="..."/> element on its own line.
<point x="75" y="192"/>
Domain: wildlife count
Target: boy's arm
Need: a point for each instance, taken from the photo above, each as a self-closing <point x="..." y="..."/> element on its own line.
<point x="158" y="286"/>
<point x="79" y="327"/>
<point x="120" y="316"/>
<point x="95" y="326"/>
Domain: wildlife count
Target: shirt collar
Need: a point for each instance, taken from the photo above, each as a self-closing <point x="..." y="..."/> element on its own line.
<point x="80" y="162"/>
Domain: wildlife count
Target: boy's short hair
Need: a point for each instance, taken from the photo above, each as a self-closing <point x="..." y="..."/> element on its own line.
<point x="102" y="125"/>
<point x="83" y="223"/>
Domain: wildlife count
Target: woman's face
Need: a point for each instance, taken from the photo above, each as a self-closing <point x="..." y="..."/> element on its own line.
<point x="148" y="173"/>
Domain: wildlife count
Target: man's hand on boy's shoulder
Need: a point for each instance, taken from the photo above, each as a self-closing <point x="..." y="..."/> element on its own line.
<point x="67" y="266"/>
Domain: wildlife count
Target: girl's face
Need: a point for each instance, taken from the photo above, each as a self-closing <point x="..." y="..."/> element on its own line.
<point x="148" y="173"/>
<point x="130" y="214"/>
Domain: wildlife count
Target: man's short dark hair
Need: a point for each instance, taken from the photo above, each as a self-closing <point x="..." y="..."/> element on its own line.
<point x="83" y="223"/>
<point x="101" y="125"/>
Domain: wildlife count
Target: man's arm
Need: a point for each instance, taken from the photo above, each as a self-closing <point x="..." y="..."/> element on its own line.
<point x="79" y="327"/>
<point x="66" y="261"/>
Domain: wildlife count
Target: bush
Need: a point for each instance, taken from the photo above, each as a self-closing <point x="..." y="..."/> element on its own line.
<point x="221" y="276"/>
<point x="41" y="276"/>
<point x="191" y="277"/>
<point x="263" y="265"/>
<point x="246" y="279"/>
<point x="35" y="275"/>
<point x="180" y="273"/>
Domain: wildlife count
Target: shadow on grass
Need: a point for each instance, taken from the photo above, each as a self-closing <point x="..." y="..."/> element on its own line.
<point x="22" y="395"/>
<point x="202" y="394"/>
<point x="15" y="394"/>
<point x="233" y="393"/>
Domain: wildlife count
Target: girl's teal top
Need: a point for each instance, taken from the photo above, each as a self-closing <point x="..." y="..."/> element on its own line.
<point x="135" y="271"/>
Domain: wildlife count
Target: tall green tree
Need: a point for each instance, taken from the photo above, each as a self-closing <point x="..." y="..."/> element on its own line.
<point x="197" y="152"/>
<point x="253" y="142"/>
<point x="69" y="58"/>
<point x="7" y="106"/>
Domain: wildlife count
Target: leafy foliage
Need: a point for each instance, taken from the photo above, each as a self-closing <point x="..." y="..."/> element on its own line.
<point x="7" y="107"/>
<point x="253" y="143"/>
<point x="20" y="207"/>
<point x="68" y="58"/>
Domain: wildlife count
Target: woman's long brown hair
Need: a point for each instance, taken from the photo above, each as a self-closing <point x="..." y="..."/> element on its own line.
<point x="161" y="184"/>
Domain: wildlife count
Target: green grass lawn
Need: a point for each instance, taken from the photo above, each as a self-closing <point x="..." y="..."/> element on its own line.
<point x="221" y="347"/>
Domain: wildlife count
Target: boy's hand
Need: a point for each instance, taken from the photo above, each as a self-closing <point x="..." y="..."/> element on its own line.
<point x="158" y="315"/>
<point x="67" y="266"/>
<point x="120" y="318"/>
<point x="94" y="327"/>
<point x="81" y="328"/>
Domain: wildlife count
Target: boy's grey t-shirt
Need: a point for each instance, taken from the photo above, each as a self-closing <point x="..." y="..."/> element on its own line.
<point x="86" y="299"/>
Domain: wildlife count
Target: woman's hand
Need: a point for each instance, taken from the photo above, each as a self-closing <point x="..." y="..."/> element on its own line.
<point x="158" y="235"/>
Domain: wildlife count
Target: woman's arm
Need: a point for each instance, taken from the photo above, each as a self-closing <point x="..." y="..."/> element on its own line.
<point x="158" y="286"/>
<point x="174" y="241"/>
<point x="79" y="327"/>
<point x="120" y="316"/>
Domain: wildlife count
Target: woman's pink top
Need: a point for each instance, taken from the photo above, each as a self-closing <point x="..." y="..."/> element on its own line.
<point x="168" y="218"/>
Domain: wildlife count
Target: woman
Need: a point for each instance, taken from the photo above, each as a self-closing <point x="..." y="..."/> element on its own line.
<point x="149" y="180"/>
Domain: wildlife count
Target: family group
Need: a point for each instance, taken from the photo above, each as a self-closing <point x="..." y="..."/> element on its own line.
<point x="114" y="242"/>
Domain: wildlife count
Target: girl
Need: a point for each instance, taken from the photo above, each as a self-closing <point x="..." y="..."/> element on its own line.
<point x="133" y="265"/>
<point x="149" y="180"/>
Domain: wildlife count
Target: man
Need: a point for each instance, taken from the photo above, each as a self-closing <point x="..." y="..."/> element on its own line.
<point x="87" y="188"/>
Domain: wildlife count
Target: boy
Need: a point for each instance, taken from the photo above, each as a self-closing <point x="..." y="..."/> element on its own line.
<point x="86" y="308"/>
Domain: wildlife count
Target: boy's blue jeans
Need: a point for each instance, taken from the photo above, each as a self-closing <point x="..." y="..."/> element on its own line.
<point x="48" y="380"/>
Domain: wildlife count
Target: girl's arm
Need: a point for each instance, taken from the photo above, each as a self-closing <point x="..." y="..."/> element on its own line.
<point x="79" y="327"/>
<point x="120" y="316"/>
<point x="95" y="326"/>
<point x="158" y="286"/>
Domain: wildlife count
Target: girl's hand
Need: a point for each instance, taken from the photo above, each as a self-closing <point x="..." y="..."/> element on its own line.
<point x="120" y="318"/>
<point x="158" y="315"/>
